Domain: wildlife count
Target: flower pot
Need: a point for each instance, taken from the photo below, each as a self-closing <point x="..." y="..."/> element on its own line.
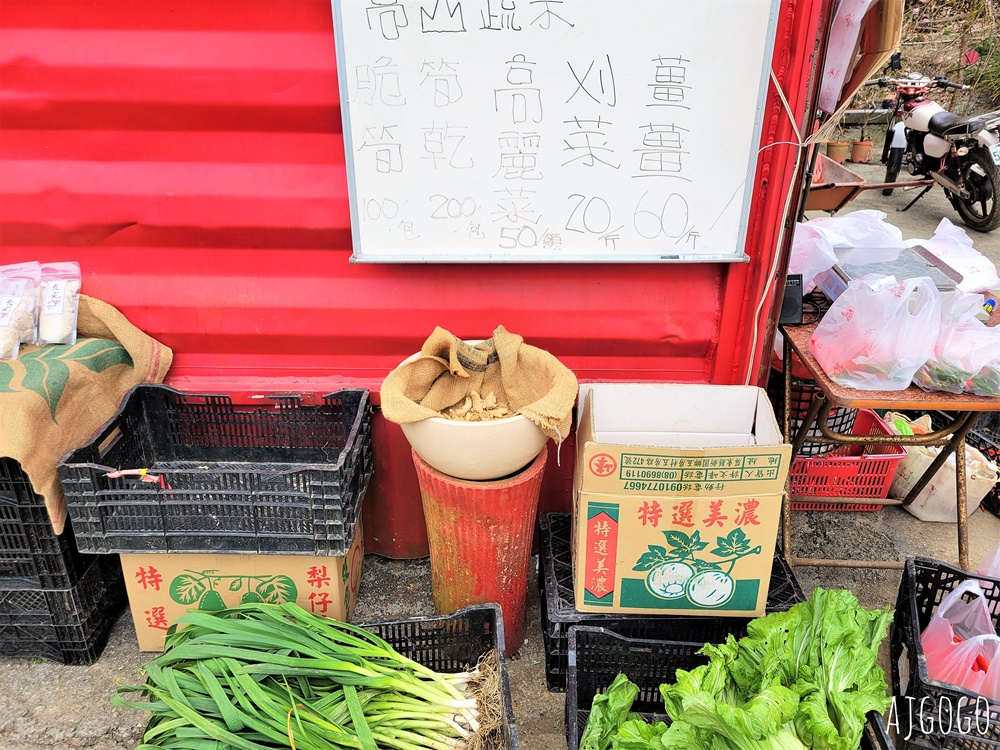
<point x="837" y="150"/>
<point x="861" y="152"/>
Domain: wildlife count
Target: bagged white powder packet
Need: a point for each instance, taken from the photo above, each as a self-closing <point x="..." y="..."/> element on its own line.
<point x="59" y="302"/>
<point x="30" y="275"/>
<point x="17" y="312"/>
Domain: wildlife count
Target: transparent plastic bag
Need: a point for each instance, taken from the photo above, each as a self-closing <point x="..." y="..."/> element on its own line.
<point x="960" y="643"/>
<point x="859" y="229"/>
<point x="30" y="274"/>
<point x="879" y="332"/>
<point x="953" y="246"/>
<point x="987" y="381"/>
<point x="990" y="566"/>
<point x="59" y="303"/>
<point x="17" y="314"/>
<point x="812" y="253"/>
<point x="964" y="346"/>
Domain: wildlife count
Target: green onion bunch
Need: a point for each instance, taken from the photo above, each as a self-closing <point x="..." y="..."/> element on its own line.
<point x="263" y="676"/>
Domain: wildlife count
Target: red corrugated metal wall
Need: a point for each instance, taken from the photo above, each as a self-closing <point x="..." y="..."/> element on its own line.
<point x="189" y="155"/>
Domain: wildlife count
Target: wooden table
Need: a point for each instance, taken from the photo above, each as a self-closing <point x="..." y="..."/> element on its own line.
<point x="966" y="409"/>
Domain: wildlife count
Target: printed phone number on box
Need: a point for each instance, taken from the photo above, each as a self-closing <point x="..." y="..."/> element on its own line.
<point x="676" y="474"/>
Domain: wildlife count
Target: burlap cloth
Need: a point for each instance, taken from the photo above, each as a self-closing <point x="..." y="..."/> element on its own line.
<point x="530" y="380"/>
<point x="54" y="398"/>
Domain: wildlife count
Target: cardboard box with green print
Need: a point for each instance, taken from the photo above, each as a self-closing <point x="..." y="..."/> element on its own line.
<point x="162" y="587"/>
<point x="677" y="499"/>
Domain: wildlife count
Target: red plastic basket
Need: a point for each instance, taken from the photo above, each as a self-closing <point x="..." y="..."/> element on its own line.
<point x="850" y="471"/>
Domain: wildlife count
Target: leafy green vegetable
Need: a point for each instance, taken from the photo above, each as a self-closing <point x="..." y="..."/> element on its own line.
<point x="800" y="679"/>
<point x="608" y="713"/>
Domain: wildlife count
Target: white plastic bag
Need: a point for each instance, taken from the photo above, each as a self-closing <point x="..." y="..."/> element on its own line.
<point x="987" y="381"/>
<point x="879" y="332"/>
<point x="938" y="500"/>
<point x="961" y="644"/>
<point x="812" y="252"/>
<point x="59" y="303"/>
<point x="990" y="566"/>
<point x="865" y="229"/>
<point x="953" y="246"/>
<point x="964" y="346"/>
<point x="30" y="274"/>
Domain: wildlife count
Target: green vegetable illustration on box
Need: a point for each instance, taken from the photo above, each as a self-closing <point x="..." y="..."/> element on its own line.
<point x="679" y="572"/>
<point x="203" y="587"/>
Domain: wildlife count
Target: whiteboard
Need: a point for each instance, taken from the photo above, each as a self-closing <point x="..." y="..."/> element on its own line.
<point x="551" y="130"/>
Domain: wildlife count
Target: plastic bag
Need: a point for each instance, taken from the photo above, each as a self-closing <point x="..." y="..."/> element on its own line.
<point x="30" y="274"/>
<point x="961" y="644"/>
<point x="964" y="346"/>
<point x="812" y="253"/>
<point x="859" y="229"/>
<point x="938" y="500"/>
<point x="17" y="314"/>
<point x="953" y="246"/>
<point x="987" y="381"/>
<point x="990" y="566"/>
<point x="879" y="332"/>
<point x="59" y="303"/>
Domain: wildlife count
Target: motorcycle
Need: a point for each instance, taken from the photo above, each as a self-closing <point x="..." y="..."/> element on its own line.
<point x="962" y="154"/>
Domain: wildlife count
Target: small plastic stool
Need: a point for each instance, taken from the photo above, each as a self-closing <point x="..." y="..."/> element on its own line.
<point x="479" y="534"/>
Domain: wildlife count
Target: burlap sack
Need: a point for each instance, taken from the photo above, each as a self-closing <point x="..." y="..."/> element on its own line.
<point x="54" y="398"/>
<point x="531" y="381"/>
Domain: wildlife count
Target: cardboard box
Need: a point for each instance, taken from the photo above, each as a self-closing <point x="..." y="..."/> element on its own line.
<point x="162" y="587"/>
<point x="677" y="494"/>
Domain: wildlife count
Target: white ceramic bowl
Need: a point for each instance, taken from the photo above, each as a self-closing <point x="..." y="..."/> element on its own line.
<point x="475" y="450"/>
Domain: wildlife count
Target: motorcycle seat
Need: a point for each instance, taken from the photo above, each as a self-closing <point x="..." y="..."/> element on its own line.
<point x="945" y="124"/>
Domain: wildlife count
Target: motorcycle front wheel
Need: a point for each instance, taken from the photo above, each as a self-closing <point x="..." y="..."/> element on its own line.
<point x="892" y="167"/>
<point x="982" y="179"/>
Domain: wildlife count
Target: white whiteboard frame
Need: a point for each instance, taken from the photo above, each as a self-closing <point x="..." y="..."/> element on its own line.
<point x="738" y="256"/>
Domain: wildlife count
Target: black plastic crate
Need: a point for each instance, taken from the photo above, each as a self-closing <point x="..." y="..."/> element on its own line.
<point x="282" y="479"/>
<point x="65" y="625"/>
<point x="984" y="437"/>
<point x="597" y="655"/>
<point x="454" y="643"/>
<point x="841" y="419"/>
<point x="924" y="584"/>
<point x="32" y="556"/>
<point x="555" y="584"/>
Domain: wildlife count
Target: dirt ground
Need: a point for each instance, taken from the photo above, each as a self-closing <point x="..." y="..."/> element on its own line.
<point x="45" y="705"/>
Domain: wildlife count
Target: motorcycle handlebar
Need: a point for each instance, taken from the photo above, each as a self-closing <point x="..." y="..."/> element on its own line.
<point x="945" y="83"/>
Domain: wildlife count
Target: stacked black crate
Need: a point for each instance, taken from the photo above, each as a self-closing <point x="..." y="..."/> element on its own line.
<point x="55" y="603"/>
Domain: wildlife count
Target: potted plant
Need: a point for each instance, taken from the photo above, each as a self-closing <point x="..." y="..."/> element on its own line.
<point x="861" y="147"/>
<point x="838" y="147"/>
